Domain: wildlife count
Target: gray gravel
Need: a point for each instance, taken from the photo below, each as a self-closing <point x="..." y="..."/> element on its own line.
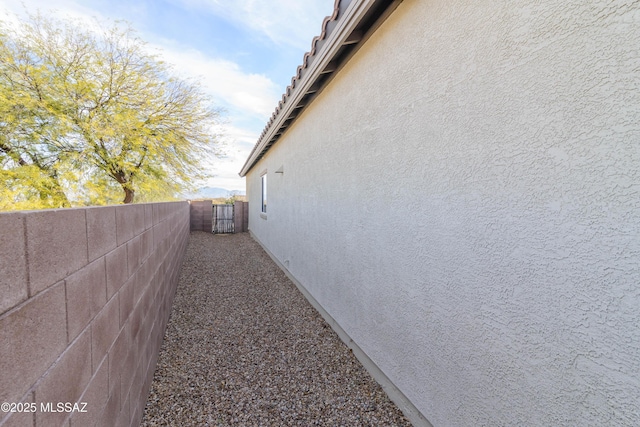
<point x="244" y="347"/>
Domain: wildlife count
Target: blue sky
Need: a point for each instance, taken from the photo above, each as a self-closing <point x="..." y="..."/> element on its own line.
<point x="243" y="51"/>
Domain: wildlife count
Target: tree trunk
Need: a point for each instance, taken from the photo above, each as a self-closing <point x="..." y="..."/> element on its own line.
<point x="128" y="195"/>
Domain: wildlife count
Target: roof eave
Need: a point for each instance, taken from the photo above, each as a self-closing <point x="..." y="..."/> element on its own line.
<point x="314" y="78"/>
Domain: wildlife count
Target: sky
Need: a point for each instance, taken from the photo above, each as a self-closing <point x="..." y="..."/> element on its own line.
<point x="244" y="52"/>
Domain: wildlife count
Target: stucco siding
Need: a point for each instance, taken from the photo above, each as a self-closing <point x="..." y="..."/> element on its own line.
<point x="463" y="199"/>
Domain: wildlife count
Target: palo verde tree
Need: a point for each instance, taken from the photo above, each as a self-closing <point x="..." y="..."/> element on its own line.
<point x="87" y="113"/>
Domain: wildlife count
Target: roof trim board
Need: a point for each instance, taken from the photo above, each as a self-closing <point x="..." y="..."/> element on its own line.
<point x="343" y="32"/>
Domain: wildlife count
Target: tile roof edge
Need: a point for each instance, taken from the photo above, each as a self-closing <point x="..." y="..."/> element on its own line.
<point x="288" y="91"/>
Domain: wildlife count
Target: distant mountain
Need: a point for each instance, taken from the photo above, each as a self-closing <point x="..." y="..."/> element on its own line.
<point x="213" y="193"/>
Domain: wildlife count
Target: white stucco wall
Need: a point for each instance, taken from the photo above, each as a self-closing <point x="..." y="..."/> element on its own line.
<point x="464" y="199"/>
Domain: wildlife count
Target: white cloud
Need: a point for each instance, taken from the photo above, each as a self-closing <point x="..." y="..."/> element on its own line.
<point x="242" y="138"/>
<point x="62" y="8"/>
<point x="247" y="97"/>
<point x="285" y="22"/>
<point x="254" y="94"/>
<point x="238" y="144"/>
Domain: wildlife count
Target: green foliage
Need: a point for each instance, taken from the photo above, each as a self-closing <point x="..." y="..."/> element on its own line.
<point x="230" y="200"/>
<point x="87" y="117"/>
<point x="28" y="187"/>
<point x="234" y="198"/>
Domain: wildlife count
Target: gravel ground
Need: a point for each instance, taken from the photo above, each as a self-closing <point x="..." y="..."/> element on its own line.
<point x="244" y="347"/>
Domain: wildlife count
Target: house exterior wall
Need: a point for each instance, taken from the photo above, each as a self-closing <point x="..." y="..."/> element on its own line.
<point x="463" y="200"/>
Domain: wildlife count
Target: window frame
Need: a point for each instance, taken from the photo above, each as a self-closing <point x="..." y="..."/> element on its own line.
<point x="263" y="194"/>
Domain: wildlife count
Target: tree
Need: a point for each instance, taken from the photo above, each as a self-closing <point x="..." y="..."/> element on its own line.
<point x="235" y="197"/>
<point x="85" y="114"/>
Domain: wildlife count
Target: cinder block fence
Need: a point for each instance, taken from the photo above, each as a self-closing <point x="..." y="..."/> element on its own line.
<point x="201" y="216"/>
<point x="85" y="295"/>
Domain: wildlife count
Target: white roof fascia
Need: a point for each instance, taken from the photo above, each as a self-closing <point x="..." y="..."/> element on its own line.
<point x="346" y="24"/>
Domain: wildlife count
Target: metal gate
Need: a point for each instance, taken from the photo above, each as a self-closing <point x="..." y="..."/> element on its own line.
<point x="223" y="219"/>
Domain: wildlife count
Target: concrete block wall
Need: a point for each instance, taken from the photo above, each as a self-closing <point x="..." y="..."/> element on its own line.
<point x="85" y="295"/>
<point x="201" y="215"/>
<point x="241" y="217"/>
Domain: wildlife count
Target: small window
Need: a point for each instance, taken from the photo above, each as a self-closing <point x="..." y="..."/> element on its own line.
<point x="264" y="193"/>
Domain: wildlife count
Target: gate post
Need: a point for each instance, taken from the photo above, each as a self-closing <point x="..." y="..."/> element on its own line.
<point x="201" y="213"/>
<point x="241" y="217"/>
